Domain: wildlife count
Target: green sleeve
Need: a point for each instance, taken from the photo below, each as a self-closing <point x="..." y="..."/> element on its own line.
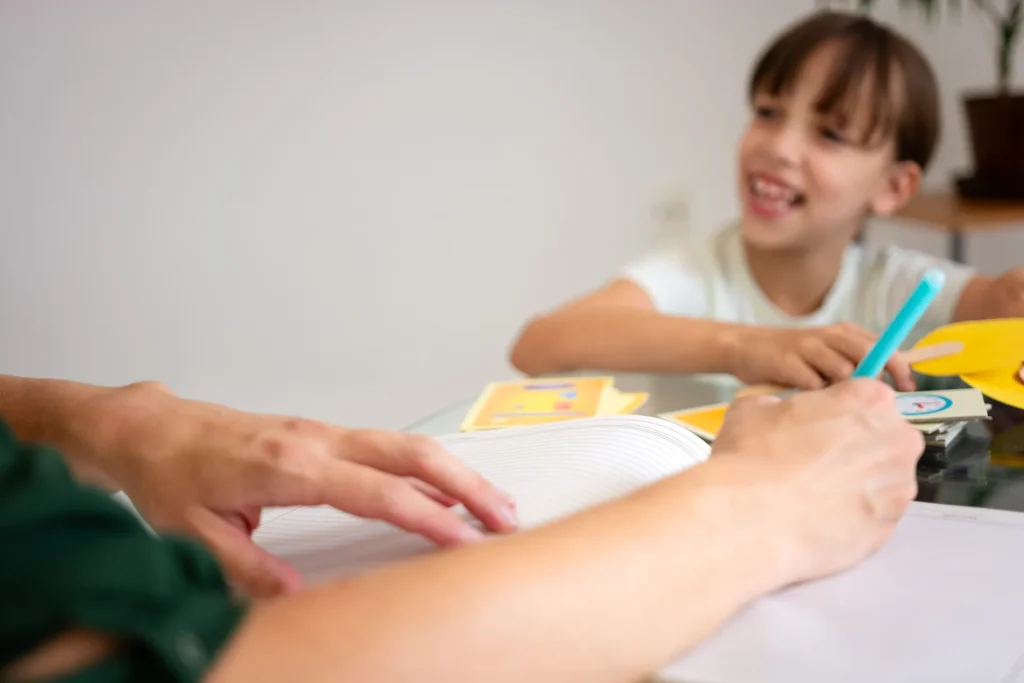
<point x="74" y="557"/>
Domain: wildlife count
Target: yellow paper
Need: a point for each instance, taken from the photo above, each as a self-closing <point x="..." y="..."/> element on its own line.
<point x="987" y="345"/>
<point x="1005" y="385"/>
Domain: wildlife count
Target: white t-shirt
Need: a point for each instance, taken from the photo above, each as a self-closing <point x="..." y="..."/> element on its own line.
<point x="708" y="277"/>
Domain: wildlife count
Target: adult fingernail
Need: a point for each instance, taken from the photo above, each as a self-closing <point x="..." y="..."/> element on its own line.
<point x="289" y="578"/>
<point x="508" y="515"/>
<point x="470" y="534"/>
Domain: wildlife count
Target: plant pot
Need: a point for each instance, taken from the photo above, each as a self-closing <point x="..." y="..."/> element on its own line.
<point x="996" y="127"/>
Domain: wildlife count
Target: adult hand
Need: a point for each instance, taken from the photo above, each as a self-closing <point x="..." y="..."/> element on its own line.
<point x="207" y="471"/>
<point x="810" y="358"/>
<point x="837" y="468"/>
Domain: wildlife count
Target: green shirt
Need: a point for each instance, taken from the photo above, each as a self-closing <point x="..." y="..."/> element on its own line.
<point x="71" y="556"/>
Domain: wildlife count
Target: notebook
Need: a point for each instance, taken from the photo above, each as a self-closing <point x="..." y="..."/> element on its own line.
<point x="941" y="602"/>
<point x="552" y="470"/>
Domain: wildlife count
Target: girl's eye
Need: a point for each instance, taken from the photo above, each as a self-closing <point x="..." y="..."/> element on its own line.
<point x="765" y="112"/>
<point x="832" y="134"/>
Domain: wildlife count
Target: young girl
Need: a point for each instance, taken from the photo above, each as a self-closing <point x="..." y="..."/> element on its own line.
<point x="844" y="120"/>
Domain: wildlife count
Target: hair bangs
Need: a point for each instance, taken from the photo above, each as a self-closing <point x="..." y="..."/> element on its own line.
<point x="862" y="73"/>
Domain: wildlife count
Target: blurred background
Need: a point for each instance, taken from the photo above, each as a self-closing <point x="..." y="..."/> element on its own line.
<point x="346" y="209"/>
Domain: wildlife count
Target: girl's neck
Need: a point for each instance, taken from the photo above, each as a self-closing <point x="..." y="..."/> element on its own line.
<point x="796" y="281"/>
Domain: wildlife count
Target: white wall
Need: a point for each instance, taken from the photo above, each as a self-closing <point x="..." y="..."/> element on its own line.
<point x="343" y="209"/>
<point x="339" y="208"/>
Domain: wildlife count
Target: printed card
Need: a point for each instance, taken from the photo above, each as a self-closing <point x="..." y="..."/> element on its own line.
<point x="950" y="405"/>
<point x="929" y="409"/>
<point x="540" y="401"/>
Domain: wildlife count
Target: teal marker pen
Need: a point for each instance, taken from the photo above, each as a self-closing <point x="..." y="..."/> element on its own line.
<point x="917" y="303"/>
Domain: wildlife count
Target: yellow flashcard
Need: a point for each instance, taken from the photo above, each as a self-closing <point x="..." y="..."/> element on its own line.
<point x="705" y="421"/>
<point x="540" y="401"/>
<point x="632" y="402"/>
<point x="623" y="403"/>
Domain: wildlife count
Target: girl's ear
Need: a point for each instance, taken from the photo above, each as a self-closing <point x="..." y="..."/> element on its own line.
<point x="898" y="187"/>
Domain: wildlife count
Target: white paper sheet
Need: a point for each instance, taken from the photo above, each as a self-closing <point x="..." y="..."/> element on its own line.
<point x="942" y="602"/>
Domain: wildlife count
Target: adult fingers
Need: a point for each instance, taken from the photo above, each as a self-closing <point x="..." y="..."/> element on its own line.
<point x="869" y="399"/>
<point x="760" y="390"/>
<point x="364" y="491"/>
<point x="432" y="492"/>
<point x="255" y="571"/>
<point x="745" y="405"/>
<point x="741" y="420"/>
<point x="412" y="455"/>
<point x="890" y="501"/>
<point x="865" y="394"/>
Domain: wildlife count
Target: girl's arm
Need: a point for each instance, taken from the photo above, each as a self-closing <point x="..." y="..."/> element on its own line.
<point x="617" y="329"/>
<point x="985" y="298"/>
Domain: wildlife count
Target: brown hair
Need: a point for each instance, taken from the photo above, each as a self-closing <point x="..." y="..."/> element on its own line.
<point x="905" y="95"/>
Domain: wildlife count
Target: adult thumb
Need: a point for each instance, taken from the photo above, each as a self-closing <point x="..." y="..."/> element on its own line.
<point x="252" y="569"/>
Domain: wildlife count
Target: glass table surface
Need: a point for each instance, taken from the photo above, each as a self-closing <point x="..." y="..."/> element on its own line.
<point x="984" y="469"/>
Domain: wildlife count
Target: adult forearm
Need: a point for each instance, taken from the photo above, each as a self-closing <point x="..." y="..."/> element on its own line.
<point x="75" y="418"/>
<point x="52" y="412"/>
<point x="626" y="340"/>
<point x="609" y="595"/>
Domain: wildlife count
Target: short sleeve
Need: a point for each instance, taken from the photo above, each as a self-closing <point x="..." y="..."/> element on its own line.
<point x="897" y="272"/>
<point x="73" y="557"/>
<point x="676" y="280"/>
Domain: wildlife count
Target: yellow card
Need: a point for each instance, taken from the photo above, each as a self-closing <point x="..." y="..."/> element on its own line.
<point x="705" y="421"/>
<point x="538" y="401"/>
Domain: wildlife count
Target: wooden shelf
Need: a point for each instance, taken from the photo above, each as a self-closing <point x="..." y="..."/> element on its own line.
<point x="948" y="212"/>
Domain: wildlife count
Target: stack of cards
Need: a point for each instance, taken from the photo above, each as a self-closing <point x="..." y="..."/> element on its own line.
<point x="941" y="415"/>
<point x="540" y="401"/>
<point x="941" y="436"/>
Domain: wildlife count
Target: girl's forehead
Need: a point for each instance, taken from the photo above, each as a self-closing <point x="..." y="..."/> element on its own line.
<point x="851" y="86"/>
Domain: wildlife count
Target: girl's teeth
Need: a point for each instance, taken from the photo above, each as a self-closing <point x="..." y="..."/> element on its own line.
<point x="772" y="191"/>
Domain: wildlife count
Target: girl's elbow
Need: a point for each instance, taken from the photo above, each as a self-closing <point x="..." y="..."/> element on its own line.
<point x="527" y="353"/>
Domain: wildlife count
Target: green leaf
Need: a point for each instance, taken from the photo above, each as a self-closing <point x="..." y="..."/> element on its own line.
<point x="1014" y="12"/>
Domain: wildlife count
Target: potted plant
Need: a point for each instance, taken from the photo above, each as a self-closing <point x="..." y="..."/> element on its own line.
<point x="995" y="118"/>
